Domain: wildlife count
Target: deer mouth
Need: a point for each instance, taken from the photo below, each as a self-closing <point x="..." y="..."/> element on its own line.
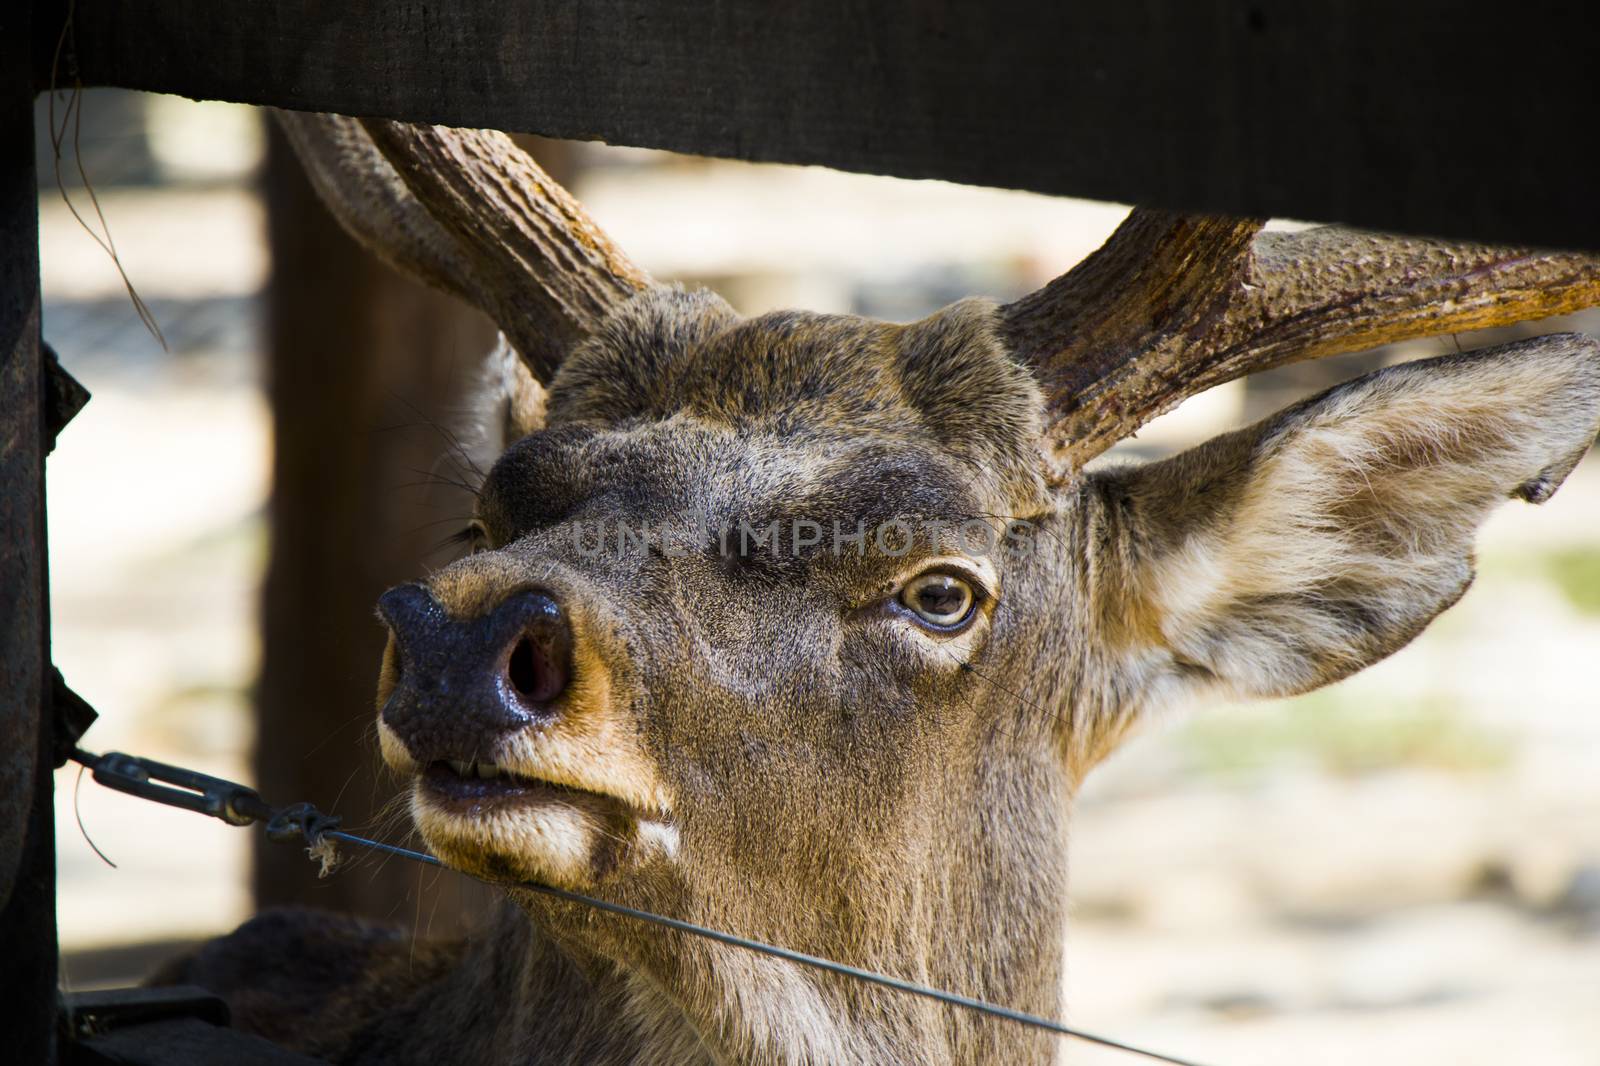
<point x="564" y="807"/>
<point x="469" y="787"/>
<point x="506" y="826"/>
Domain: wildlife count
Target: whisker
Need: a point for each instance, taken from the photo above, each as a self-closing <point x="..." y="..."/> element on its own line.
<point x="449" y="436"/>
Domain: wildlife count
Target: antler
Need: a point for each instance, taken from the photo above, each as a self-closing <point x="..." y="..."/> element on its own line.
<point x="469" y="212"/>
<point x="1174" y="304"/>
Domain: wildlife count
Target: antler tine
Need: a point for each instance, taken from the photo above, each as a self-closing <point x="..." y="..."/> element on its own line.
<point x="374" y="206"/>
<point x="1172" y="305"/>
<point x="469" y="212"/>
<point x="541" y="267"/>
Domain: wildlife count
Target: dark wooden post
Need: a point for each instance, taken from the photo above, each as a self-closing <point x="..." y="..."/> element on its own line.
<point x="27" y="834"/>
<point x="360" y="361"/>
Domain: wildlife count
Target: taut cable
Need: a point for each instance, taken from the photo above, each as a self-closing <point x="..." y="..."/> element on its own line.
<point x="237" y="805"/>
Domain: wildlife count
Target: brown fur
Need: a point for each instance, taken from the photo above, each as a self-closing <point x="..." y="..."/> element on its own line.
<point x="779" y="753"/>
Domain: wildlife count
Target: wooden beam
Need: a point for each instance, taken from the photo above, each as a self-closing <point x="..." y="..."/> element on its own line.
<point x="1426" y="117"/>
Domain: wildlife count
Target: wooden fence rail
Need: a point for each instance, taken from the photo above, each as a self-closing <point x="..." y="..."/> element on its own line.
<point x="1450" y="118"/>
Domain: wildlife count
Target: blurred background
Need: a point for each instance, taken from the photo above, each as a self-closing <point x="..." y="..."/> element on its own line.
<point x="1403" y="868"/>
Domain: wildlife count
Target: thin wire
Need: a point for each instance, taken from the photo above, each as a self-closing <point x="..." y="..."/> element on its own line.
<point x="77" y="787"/>
<point x="814" y="961"/>
<point x="58" y="135"/>
<point x="230" y="801"/>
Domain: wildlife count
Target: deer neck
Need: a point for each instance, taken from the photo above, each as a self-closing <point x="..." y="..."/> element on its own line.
<point x="513" y="996"/>
<point x="683" y="1000"/>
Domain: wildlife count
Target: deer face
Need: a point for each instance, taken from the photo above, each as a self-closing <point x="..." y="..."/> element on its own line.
<point x="729" y="651"/>
<point x="748" y="584"/>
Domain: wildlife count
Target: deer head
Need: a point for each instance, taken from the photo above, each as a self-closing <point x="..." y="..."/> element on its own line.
<point x="807" y="626"/>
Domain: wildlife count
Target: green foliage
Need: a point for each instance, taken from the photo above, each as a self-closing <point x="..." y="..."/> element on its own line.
<point x="1340" y="734"/>
<point x="1577" y="571"/>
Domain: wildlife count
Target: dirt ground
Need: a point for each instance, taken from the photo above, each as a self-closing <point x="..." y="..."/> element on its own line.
<point x="1402" y="869"/>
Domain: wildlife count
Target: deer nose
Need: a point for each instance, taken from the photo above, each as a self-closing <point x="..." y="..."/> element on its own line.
<point x="460" y="684"/>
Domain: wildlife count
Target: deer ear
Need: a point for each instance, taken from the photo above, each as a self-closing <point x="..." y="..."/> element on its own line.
<point x="1291" y="554"/>
<point x="509" y="403"/>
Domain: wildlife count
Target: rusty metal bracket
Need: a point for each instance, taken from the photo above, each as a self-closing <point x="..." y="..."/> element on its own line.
<point x="64" y="397"/>
<point x="90" y="1014"/>
<point x="74" y="716"/>
<point x="174" y="1026"/>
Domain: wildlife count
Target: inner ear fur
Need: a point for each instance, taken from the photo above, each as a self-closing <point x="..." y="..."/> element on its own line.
<point x="1290" y="554"/>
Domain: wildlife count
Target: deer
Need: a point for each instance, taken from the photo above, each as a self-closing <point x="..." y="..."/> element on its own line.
<point x="866" y="753"/>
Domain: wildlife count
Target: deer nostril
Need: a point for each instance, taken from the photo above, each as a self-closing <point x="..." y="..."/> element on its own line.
<point x="523" y="670"/>
<point x="538" y="666"/>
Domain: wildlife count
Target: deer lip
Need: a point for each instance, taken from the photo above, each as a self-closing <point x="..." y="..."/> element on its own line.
<point x="472" y="788"/>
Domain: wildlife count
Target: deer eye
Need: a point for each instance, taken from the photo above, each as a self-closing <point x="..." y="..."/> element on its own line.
<point x="943" y="601"/>
<point x="475" y="537"/>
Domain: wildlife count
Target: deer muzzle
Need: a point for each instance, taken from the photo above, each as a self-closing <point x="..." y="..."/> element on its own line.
<point x="458" y="687"/>
<point x="501" y="715"/>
